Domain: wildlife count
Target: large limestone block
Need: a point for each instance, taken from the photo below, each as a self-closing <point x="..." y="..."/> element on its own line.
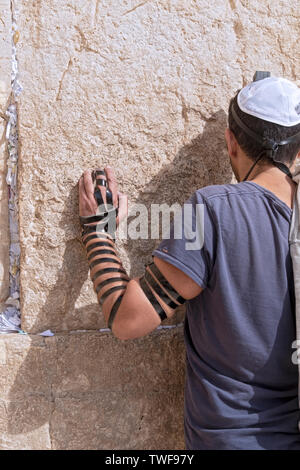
<point x="121" y="362"/>
<point x="5" y="91"/>
<point x="91" y="391"/>
<point x="129" y="395"/>
<point x="142" y="86"/>
<point x="149" y="417"/>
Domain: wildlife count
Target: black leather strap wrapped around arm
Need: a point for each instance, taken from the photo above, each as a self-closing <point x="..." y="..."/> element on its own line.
<point x="109" y="281"/>
<point x="92" y="218"/>
<point x="98" y="261"/>
<point x="110" y="291"/>
<point x="98" y="244"/>
<point x="96" y="236"/>
<point x="106" y="221"/>
<point x="166" y="285"/>
<point x="92" y="229"/>
<point x="114" y="310"/>
<point x="101" y="182"/>
<point x="100" y="252"/>
<point x="106" y="271"/>
<point x="98" y="240"/>
<point x="159" y="291"/>
<point x="152" y="299"/>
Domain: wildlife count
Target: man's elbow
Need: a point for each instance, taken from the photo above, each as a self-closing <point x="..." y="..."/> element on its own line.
<point x="121" y="334"/>
<point x="130" y="328"/>
<point x="124" y="331"/>
<point x="135" y="317"/>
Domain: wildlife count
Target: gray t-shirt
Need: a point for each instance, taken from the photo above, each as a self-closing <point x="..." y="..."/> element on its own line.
<point x="241" y="384"/>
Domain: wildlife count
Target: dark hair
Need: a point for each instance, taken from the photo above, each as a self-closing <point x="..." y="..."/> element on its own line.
<point x="285" y="153"/>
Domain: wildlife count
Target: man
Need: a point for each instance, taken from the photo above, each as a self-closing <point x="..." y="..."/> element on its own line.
<point x="241" y="383"/>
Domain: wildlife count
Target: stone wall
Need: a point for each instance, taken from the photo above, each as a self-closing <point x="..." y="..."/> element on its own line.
<point x="89" y="391"/>
<point x="143" y="86"/>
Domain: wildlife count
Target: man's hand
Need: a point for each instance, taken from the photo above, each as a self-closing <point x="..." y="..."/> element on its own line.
<point x="87" y="202"/>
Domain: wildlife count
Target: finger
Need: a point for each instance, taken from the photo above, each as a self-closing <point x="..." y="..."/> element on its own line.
<point x="101" y="184"/>
<point x="82" y="196"/>
<point x="112" y="184"/>
<point x="82" y="191"/>
<point x="123" y="207"/>
<point x="88" y="183"/>
<point x="87" y="202"/>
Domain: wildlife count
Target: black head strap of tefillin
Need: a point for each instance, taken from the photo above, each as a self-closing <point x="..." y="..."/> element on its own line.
<point x="269" y="145"/>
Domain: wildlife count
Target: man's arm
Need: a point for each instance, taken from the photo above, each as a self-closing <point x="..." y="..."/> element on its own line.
<point x="132" y="308"/>
<point x="136" y="316"/>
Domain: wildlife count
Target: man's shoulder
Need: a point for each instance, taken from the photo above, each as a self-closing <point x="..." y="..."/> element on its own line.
<point x="209" y="193"/>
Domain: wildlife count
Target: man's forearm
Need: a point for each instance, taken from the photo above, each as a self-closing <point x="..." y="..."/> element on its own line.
<point x="132" y="308"/>
<point x="131" y="311"/>
<point x="107" y="273"/>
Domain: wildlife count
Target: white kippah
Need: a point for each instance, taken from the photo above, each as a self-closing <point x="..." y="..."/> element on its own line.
<point x="272" y="99"/>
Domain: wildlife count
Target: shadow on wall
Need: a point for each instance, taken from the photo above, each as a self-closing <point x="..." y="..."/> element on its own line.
<point x="203" y="160"/>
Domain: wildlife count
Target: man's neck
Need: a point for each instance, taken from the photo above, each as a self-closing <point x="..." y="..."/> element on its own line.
<point x="277" y="182"/>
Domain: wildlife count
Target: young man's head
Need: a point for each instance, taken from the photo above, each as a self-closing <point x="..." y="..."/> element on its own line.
<point x="267" y="106"/>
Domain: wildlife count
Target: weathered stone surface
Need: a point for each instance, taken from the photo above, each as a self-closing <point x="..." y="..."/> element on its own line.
<point x="143" y="86"/>
<point x="127" y="394"/>
<point x="20" y="427"/>
<point x="146" y="358"/>
<point x="92" y="391"/>
<point x="26" y="366"/>
<point x="5" y="90"/>
<point x="144" y="421"/>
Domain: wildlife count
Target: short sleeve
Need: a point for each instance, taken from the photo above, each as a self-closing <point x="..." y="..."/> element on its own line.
<point x="191" y="246"/>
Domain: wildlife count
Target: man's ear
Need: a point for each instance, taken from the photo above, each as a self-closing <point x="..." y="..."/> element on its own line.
<point x="231" y="142"/>
<point x="296" y="162"/>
